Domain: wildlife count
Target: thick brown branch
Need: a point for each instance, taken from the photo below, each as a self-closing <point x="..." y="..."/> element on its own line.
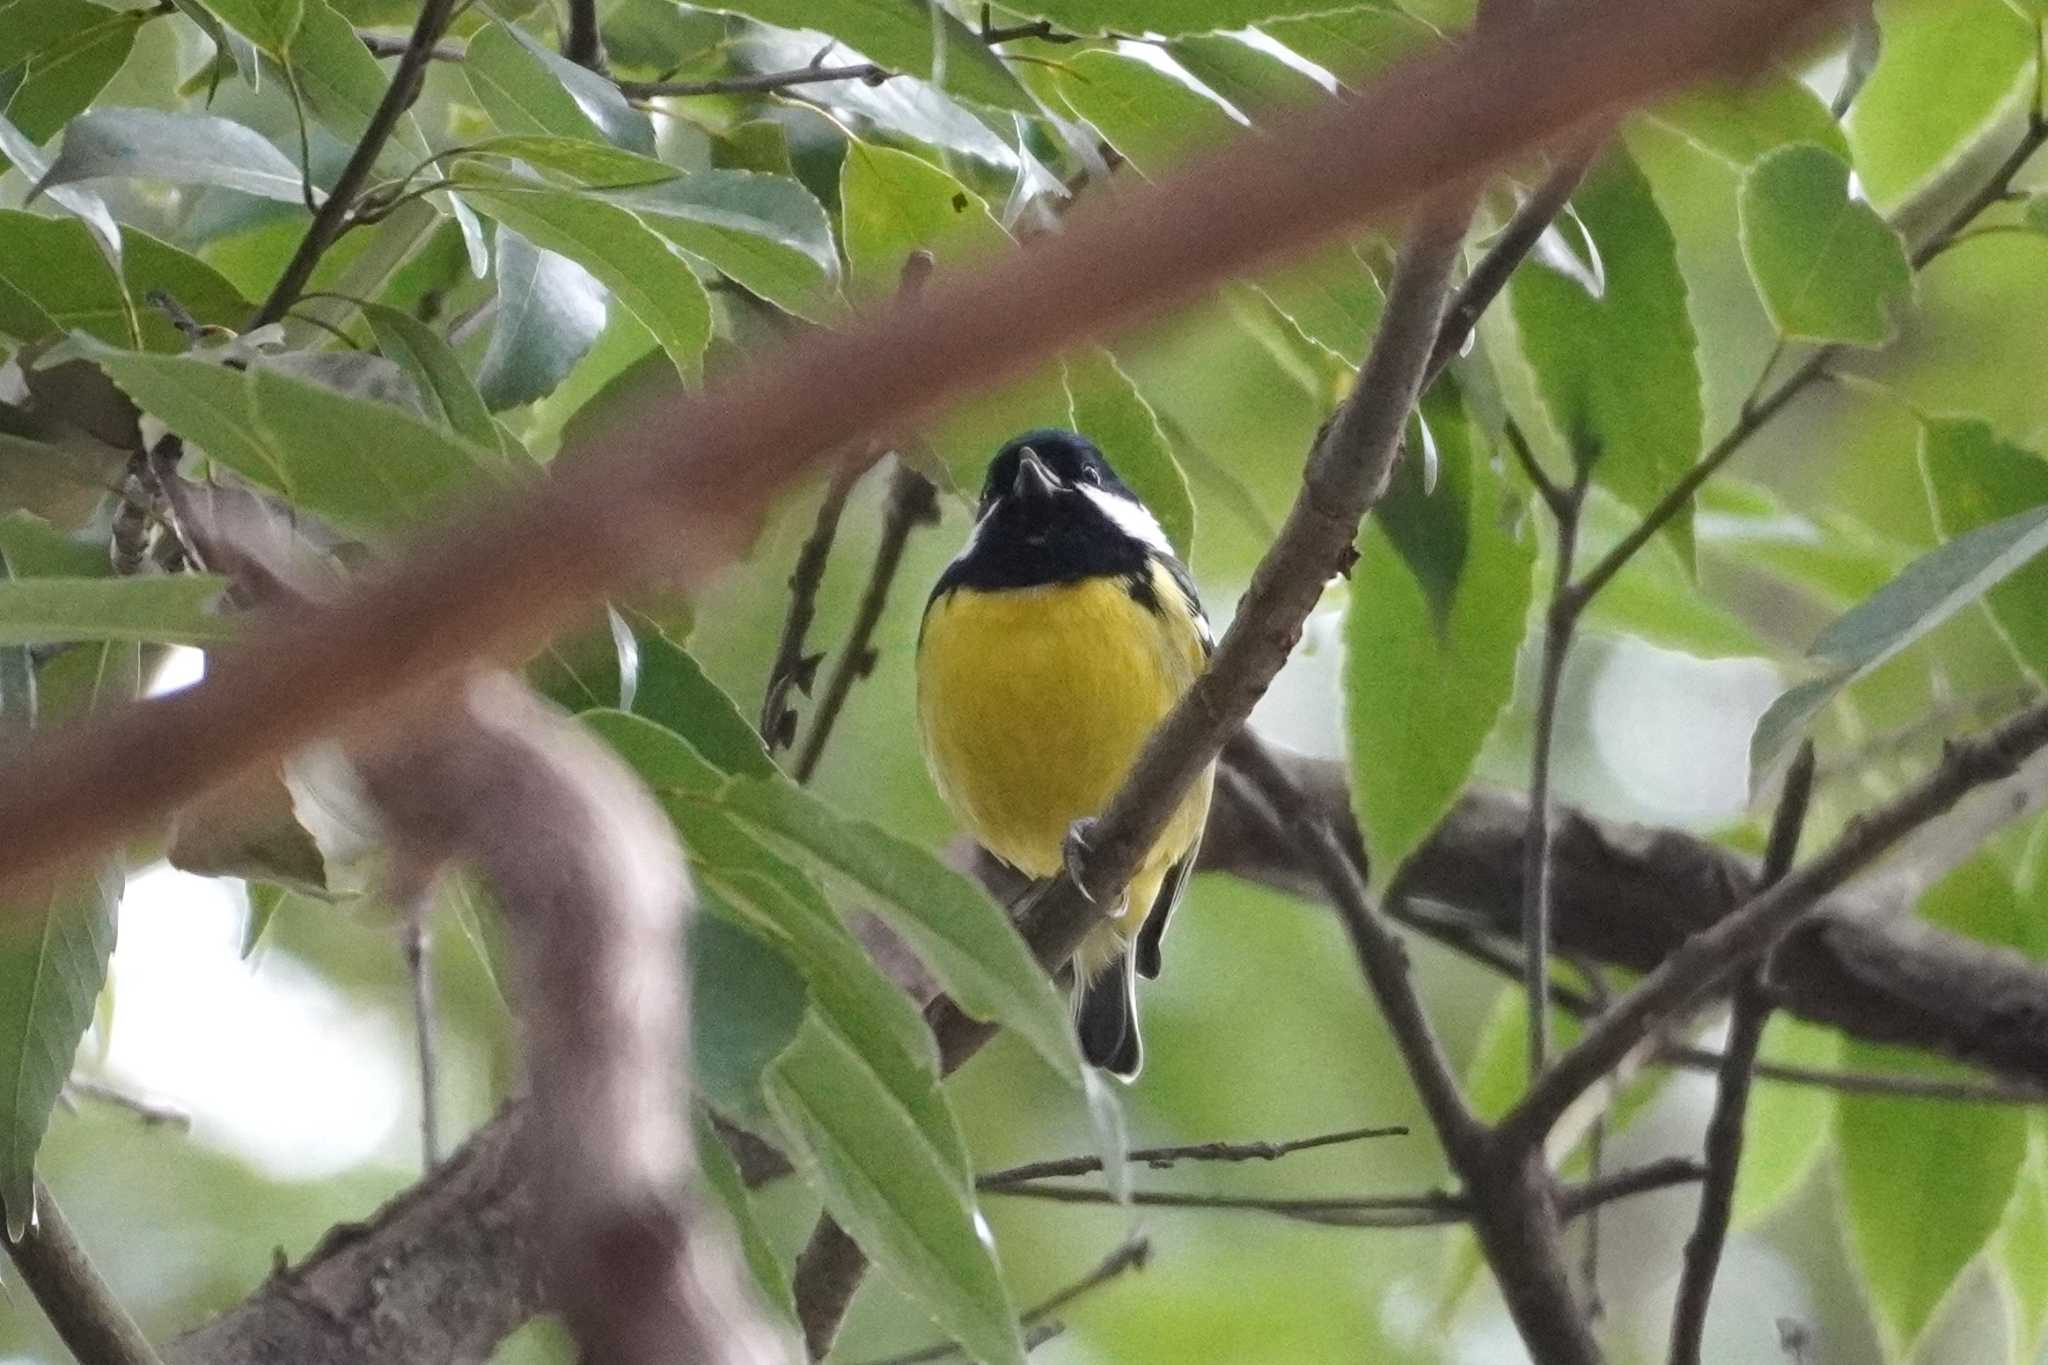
<point x="501" y="582"/>
<point x="585" y="864"/>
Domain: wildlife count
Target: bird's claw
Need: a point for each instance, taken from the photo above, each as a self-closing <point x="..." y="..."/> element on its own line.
<point x="1074" y="852"/>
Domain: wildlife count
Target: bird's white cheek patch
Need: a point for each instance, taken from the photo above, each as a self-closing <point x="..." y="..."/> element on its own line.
<point x="1130" y="517"/>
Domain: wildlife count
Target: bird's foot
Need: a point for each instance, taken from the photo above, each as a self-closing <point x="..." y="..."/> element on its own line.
<point x="1074" y="852"/>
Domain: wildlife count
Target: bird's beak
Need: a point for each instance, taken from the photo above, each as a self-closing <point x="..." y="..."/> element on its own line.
<point x="1033" y="480"/>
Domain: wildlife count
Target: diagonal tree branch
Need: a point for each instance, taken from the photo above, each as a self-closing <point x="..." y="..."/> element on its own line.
<point x="1706" y="960"/>
<point x="501" y="581"/>
<point x="75" y="1298"/>
<point x="1747" y="1018"/>
<point x="332" y="215"/>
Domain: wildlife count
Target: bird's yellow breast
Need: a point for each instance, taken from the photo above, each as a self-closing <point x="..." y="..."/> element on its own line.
<point x="1034" y="702"/>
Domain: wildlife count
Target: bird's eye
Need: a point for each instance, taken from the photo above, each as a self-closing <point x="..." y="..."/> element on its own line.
<point x="1091" y="475"/>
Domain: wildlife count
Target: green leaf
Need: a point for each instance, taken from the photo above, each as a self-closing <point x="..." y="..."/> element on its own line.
<point x="1828" y="268"/>
<point x="151" y="266"/>
<point x="1926" y="593"/>
<point x="1332" y="298"/>
<point x="529" y="90"/>
<point x="265" y="900"/>
<point x="183" y="148"/>
<point x="1106" y="406"/>
<point x="631" y="260"/>
<point x="1255" y="81"/>
<point x="444" y="387"/>
<point x="1925" y="1183"/>
<point x="1149" y="116"/>
<point x="1168" y="18"/>
<point x="51" y="974"/>
<point x="54" y="279"/>
<point x="1974" y="479"/>
<point x="768" y="232"/>
<point x="1788" y="1127"/>
<point x="1618" y="373"/>
<point x="84" y="205"/>
<point x="550" y="313"/>
<point x="863" y="1007"/>
<point x="165" y="609"/>
<point x="722" y="1176"/>
<point x="1356" y="45"/>
<point x="746" y="1003"/>
<point x="948" y="920"/>
<point x="270" y="24"/>
<point x="581" y="161"/>
<point x="1741" y="123"/>
<point x="360" y="463"/>
<point x="892" y="204"/>
<point x="60" y="78"/>
<point x="897" y="34"/>
<point x="343" y="85"/>
<point x="1424" y="687"/>
<point x="673" y="692"/>
<point x="2022" y="1247"/>
<point x="1944" y="73"/>
<point x="898" y="1199"/>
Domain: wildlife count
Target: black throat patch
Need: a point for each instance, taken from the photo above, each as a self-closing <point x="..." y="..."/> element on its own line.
<point x="1058" y="538"/>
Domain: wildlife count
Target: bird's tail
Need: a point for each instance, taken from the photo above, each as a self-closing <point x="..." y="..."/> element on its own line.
<point x="1106" y="1019"/>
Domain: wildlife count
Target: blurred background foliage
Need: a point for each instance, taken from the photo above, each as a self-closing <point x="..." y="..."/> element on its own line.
<point x="622" y="246"/>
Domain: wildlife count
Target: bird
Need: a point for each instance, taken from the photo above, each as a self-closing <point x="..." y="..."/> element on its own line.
<point x="1064" y="630"/>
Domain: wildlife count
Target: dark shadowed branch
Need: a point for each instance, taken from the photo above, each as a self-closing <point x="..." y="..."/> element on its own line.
<point x="1706" y="960"/>
<point x="793" y="668"/>
<point x="912" y="502"/>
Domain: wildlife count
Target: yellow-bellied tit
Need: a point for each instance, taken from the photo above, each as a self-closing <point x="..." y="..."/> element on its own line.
<point x="1051" y="646"/>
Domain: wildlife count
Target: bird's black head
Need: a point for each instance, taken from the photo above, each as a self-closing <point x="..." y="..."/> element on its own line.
<point x="1052" y="511"/>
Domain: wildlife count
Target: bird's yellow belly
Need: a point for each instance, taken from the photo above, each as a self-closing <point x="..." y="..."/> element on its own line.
<point x="1033" y="704"/>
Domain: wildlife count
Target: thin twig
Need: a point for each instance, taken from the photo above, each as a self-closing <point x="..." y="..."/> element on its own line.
<point x="1432" y="1208"/>
<point x="1390" y="1211"/>
<point x="1380" y="953"/>
<point x="758" y="83"/>
<point x="1560" y="623"/>
<point x="1163" y="1158"/>
<point x="151" y="1113"/>
<point x="1513" y="243"/>
<point x="384" y="45"/>
<point x="415" y="941"/>
<point x="1707" y="958"/>
<point x="1747" y="1017"/>
<point x="793" y="668"/>
<point x="816" y="73"/>
<point x="74" y="1296"/>
<point x="1759" y="412"/>
<point x="1132" y="1255"/>
<point x="913" y="502"/>
<point x="332" y="216"/>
